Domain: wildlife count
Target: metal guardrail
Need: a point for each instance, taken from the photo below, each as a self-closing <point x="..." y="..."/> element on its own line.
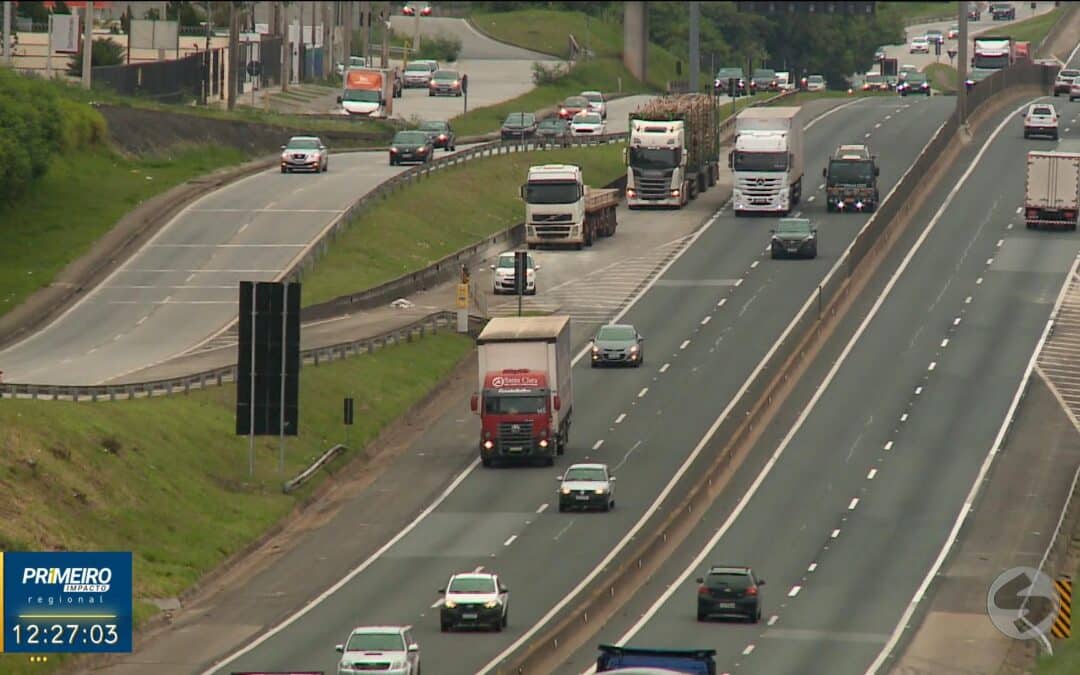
<point x="748" y="413"/>
<point x="305" y="262"/>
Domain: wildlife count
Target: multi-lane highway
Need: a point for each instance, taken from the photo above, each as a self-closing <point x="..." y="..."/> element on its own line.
<point x="703" y="342"/>
<point x="845" y="512"/>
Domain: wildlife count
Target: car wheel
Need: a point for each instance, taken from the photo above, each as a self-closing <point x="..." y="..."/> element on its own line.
<point x="506" y="620"/>
<point x="594" y="364"/>
<point x="486" y="461"/>
<point x="444" y="627"/>
<point x="562" y="508"/>
<point x="701" y="616"/>
<point x="284" y="170"/>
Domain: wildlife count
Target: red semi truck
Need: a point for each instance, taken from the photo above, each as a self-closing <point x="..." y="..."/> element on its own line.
<point x="525" y="394"/>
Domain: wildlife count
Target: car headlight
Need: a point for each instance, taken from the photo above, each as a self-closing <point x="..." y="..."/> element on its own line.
<point x="491" y="604"/>
<point x="394" y="150"/>
<point x="450" y="604"/>
<point x="565" y="491"/>
<point x="633" y="348"/>
<point x="595" y="350"/>
<point x="601" y="491"/>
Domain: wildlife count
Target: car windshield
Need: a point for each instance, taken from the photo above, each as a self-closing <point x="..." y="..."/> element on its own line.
<point x="519" y="120"/>
<point x="1042" y="111"/>
<point x="761" y="161"/>
<point x="552" y="192"/>
<point x="933" y="33"/>
<point x="594" y="98"/>
<point x="654" y="158"/>
<point x="472" y="585"/>
<point x="507" y="261"/>
<point x="874" y="79"/>
<point x="513" y="404"/>
<point x="415" y="67"/>
<point x="434" y="126"/>
<point x="576" y="102"/>
<point x="302" y="144"/>
<point x="734" y="581"/>
<point x="375" y="642"/>
<point x="842" y="172"/>
<point x="410" y="138"/>
<point x="552" y="123"/>
<point x="788" y="226"/>
<point x="581" y="473"/>
<point x="1068" y="74"/>
<point x="618" y="333"/>
<point x="816" y="79"/>
<point x="726" y="73"/>
<point x="916" y="78"/>
<point x="591" y="118"/>
<point x="991" y="61"/>
<point x="361" y="95"/>
<point x="446" y="75"/>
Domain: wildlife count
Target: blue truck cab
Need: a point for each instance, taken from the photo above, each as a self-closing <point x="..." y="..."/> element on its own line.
<point x="642" y="661"/>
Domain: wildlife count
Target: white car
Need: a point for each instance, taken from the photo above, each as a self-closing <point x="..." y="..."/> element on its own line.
<point x="1063" y="80"/>
<point x="588" y="124"/>
<point x="474" y="599"/>
<point x="596" y="102"/>
<point x="386" y="649"/>
<point x="587" y="486"/>
<point x="502" y="278"/>
<point x="1041" y="120"/>
<point x="815" y="83"/>
<point x="920" y="45"/>
<point x="1074" y="89"/>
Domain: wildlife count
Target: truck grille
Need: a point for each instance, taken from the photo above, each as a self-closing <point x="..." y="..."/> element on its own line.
<point x="652" y="186"/>
<point x="762" y="187"/>
<point x="372" y="667"/>
<point x="553" y="217"/>
<point x="553" y="231"/>
<point x="515" y="433"/>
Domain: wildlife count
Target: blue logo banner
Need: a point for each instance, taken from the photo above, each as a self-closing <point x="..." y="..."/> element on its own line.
<point x="66" y="602"/>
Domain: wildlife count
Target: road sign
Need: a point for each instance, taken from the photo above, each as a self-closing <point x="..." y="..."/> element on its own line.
<point x="952" y="55"/>
<point x="254" y="68"/>
<point x="1022" y="603"/>
<point x="463" y="296"/>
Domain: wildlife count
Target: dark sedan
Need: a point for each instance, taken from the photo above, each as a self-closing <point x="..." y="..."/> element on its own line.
<point x="554" y="129"/>
<point x="725" y="76"/>
<point x="518" y="126"/>
<point x="618" y="344"/>
<point x="729" y="591"/>
<point x="1002" y="12"/>
<point x="411" y="146"/>
<point x="794" y="238"/>
<point x="442" y="135"/>
<point x="914" y="83"/>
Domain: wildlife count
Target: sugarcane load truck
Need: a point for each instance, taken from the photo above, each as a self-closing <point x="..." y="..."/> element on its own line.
<point x="1052" y="190"/>
<point x="560" y="209"/>
<point x="851" y="180"/>
<point x="673" y="153"/>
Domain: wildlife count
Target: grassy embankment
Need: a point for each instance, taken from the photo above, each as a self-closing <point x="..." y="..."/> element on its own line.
<point x="922" y="11"/>
<point x="546" y="31"/>
<point x="943" y="77"/>
<point x="466" y="206"/>
<point x="1031" y="30"/>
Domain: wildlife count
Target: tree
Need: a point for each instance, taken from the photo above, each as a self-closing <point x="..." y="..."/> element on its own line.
<point x="152" y="14"/>
<point x="106" y="52"/>
<point x="185" y="12"/>
<point x="35" y="11"/>
<point x="60" y="7"/>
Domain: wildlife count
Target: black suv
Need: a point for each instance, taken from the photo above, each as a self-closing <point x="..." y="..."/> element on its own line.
<point x="730" y="591"/>
<point x="1003" y="12"/>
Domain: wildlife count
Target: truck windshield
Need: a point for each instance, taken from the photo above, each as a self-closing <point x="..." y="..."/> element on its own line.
<point x="655" y="158"/>
<point x="850" y="173"/>
<point x="761" y="161"/>
<point x="995" y="61"/>
<point x="551" y="192"/>
<point x="361" y="95"/>
<point x="514" y="404"/>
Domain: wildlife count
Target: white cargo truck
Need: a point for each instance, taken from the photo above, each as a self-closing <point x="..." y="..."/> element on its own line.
<point x="525" y="394"/>
<point x="767" y="160"/>
<point x="561" y="209"/>
<point x="1052" y="193"/>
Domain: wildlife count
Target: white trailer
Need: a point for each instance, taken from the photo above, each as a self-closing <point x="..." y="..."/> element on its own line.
<point x="1052" y="192"/>
<point x="767" y="160"/>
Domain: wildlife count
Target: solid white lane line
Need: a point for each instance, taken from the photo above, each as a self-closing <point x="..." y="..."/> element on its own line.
<point x="967" y="300"/>
<point x="956" y="321"/>
<point x="706" y="320"/>
<point x="773" y="619"/>
<point x="903" y="418"/>
<point x="888" y="445"/>
<point x="933" y="364"/>
<point x="853" y="504"/>
<point x="812" y="567"/>
<point x="1000" y="242"/>
<point x="989" y="261"/>
<point x="738" y="282"/>
<point x="644" y="390"/>
<point x="620" y="418"/>
<point x="140" y="321"/>
<point x="945" y="342"/>
<point x="663" y="368"/>
<point x="722" y="301"/>
<point x="918" y="390"/>
<point x="978" y="281"/>
<point x="754" y="264"/>
<point x="684" y="344"/>
<point x="543" y="507"/>
<point x="794" y="591"/>
<point x="870" y="476"/>
<point x="596" y="445"/>
<point x="749" y="648"/>
<point x="835" y="534"/>
<point x="510" y="540"/>
<point x="437" y="604"/>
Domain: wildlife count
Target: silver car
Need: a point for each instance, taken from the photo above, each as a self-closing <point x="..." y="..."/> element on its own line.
<point x="385" y="649"/>
<point x="418" y="73"/>
<point x="587" y="486"/>
<point x="305" y="153"/>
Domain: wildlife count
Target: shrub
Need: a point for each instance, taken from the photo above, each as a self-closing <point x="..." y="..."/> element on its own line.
<point x="442" y="47"/>
<point x="547" y="74"/>
<point x="106" y="51"/>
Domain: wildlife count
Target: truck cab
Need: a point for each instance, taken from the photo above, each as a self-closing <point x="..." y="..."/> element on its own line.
<point x="642" y="661"/>
<point x="767" y="160"/>
<point x="561" y="209"/>
<point x="993" y="53"/>
<point x="368" y="92"/>
<point x="656" y="158"/>
<point x="851" y="179"/>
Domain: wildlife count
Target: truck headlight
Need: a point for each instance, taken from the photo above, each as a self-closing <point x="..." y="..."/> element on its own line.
<point x="491" y="604"/>
<point x="488" y="445"/>
<point x="543" y="443"/>
<point x="565" y="491"/>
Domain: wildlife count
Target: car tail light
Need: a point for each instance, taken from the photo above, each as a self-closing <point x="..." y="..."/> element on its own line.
<point x="442" y="137"/>
<point x="752" y="590"/>
<point x="703" y="590"/>
<point x="1032" y="213"/>
<point x="1069" y="215"/>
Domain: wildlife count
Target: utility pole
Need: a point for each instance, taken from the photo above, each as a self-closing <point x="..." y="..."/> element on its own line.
<point x="234" y="54"/>
<point x="695" y="46"/>
<point x="327" y="40"/>
<point x="88" y="45"/>
<point x="7" y="34"/>
<point x="385" y="18"/>
<point x="300" y="48"/>
<point x="286" y="48"/>
<point x="365" y="28"/>
<point x="346" y="35"/>
<point x="962" y="63"/>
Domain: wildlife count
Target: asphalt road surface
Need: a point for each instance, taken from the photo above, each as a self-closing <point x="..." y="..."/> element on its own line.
<point x="903" y="55"/>
<point x="180" y="288"/>
<point x="643" y="422"/>
<point x="497" y="72"/>
<point x="850" y="517"/>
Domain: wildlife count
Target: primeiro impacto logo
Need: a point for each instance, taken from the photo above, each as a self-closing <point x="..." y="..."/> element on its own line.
<point x="73" y="579"/>
<point x="1022" y="603"/>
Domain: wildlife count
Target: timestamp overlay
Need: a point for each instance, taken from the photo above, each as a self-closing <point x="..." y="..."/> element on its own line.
<point x="65" y="602"/>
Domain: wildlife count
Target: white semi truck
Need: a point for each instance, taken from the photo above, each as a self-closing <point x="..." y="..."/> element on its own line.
<point x="561" y="209"/>
<point x="1052" y="194"/>
<point x="767" y="160"/>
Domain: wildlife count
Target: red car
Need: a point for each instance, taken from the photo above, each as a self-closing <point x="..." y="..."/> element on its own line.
<point x="572" y="106"/>
<point x="411" y="8"/>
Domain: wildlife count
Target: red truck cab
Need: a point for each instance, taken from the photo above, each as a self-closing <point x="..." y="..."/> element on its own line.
<point x="516" y="414"/>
